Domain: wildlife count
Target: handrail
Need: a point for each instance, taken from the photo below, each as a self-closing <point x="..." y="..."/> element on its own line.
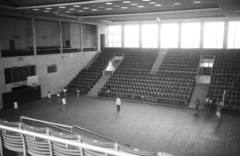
<point x="110" y="60"/>
<point x="199" y="66"/>
<point x="92" y="133"/>
<point x="61" y="128"/>
<point x="119" y="62"/>
<point x="65" y="141"/>
<point x="45" y="122"/>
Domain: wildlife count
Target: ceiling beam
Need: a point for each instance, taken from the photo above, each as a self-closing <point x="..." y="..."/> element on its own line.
<point x="65" y="4"/>
<point x="148" y="13"/>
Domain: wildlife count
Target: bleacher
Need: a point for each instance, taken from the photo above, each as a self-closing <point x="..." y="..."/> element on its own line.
<point x="86" y="78"/>
<point x="32" y="141"/>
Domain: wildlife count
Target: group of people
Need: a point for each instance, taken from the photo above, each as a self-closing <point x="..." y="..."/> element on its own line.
<point x="209" y="106"/>
<point x="59" y="98"/>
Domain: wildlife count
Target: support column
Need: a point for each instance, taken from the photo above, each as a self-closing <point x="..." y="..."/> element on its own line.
<point x="122" y="36"/>
<point x="81" y="38"/>
<point x="201" y="35"/>
<point x="34" y="37"/>
<point x="159" y="36"/>
<point x="140" y="36"/>
<point x="61" y="44"/>
<point x="179" y="35"/>
<point x="225" y="37"/>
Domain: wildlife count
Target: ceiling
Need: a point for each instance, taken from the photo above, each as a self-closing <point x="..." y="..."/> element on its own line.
<point x="113" y="11"/>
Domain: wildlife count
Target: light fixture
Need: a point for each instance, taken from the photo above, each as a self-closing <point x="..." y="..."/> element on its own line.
<point x="71" y="9"/>
<point x="158" y="4"/>
<point x="197" y="2"/>
<point x="134" y="4"/>
<point x="36" y="9"/>
<point x="94" y="9"/>
<point x="85" y="8"/>
<point x="237" y="11"/>
<point x="152" y="2"/>
<point x="146" y="0"/>
<point x="45" y="11"/>
<point x="108" y="3"/>
<point x="62" y="7"/>
<point x="48" y="8"/>
<point x="55" y="12"/>
<point x="124" y="7"/>
<point x="158" y="19"/>
<point x="76" y="6"/>
<point x="140" y="6"/>
<point x="126" y="1"/>
<point x="176" y="3"/>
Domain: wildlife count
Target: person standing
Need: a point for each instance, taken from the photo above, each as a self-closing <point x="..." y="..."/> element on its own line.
<point x="65" y="93"/>
<point x="16" y="107"/>
<point x="78" y="93"/>
<point x="64" y="103"/>
<point x="209" y="107"/>
<point x="197" y="106"/>
<point x="218" y="113"/>
<point x="49" y="97"/>
<point x="58" y="97"/>
<point x="118" y="103"/>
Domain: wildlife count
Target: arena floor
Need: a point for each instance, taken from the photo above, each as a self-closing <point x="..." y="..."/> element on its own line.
<point x="148" y="127"/>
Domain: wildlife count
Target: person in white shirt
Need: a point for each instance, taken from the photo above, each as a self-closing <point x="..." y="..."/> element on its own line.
<point x="58" y="97"/>
<point x="49" y="97"/>
<point x="64" y="103"/>
<point x="118" y="103"/>
<point x="16" y="107"/>
<point x="78" y="93"/>
<point x="65" y="93"/>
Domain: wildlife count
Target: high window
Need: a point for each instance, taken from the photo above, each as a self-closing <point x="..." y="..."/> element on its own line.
<point x="114" y="36"/>
<point x="190" y="35"/>
<point x="233" y="35"/>
<point x="150" y="36"/>
<point x="131" y="36"/>
<point x="213" y="35"/>
<point x="169" y="35"/>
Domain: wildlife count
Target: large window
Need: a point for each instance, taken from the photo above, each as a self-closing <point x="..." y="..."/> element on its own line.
<point x="114" y="36"/>
<point x="169" y="35"/>
<point x="131" y="36"/>
<point x="190" y="35"/>
<point x="233" y="35"/>
<point x="213" y="35"/>
<point x="150" y="36"/>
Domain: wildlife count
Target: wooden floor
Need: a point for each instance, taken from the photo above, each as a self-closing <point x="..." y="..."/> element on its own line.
<point x="148" y="127"/>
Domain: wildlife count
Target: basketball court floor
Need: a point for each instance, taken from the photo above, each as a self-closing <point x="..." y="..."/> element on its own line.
<point x="144" y="126"/>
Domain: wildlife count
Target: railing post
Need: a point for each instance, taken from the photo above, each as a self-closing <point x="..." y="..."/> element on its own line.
<point x="81" y="149"/>
<point x="23" y="141"/>
<point x="116" y="146"/>
<point x="160" y="154"/>
<point x="50" y="143"/>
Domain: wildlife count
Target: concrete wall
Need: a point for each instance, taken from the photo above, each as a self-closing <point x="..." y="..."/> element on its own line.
<point x="89" y="35"/>
<point x="102" y="29"/>
<point x="47" y="33"/>
<point x="68" y="66"/>
<point x="75" y="32"/>
<point x="10" y="27"/>
<point x="65" y="33"/>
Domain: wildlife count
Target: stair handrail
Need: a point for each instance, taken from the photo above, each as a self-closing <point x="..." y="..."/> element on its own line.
<point x="111" y="59"/>
<point x="119" y="62"/>
<point x="199" y="66"/>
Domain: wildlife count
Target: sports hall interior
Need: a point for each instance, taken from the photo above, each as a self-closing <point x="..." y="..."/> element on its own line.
<point x="157" y="56"/>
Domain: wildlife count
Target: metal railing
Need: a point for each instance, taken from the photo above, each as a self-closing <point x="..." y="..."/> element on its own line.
<point x="92" y="133"/>
<point x="46" y="123"/>
<point x="68" y="142"/>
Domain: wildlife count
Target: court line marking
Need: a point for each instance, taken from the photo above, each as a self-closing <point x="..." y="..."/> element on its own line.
<point x="191" y="137"/>
<point x="228" y="139"/>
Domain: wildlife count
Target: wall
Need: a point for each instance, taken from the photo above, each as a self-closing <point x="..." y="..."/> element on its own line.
<point x="50" y="29"/>
<point x="89" y="35"/>
<point x="65" y="33"/>
<point x="102" y="29"/>
<point x="12" y="26"/>
<point x="75" y="31"/>
<point x="68" y="66"/>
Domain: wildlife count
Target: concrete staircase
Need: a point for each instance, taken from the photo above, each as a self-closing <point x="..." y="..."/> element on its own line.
<point x="101" y="82"/>
<point x="158" y="62"/>
<point x="200" y="91"/>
